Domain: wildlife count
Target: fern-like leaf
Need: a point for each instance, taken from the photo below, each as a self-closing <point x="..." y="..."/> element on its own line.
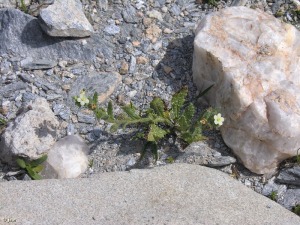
<point x="177" y="102"/>
<point x="158" y="105"/>
<point x="131" y="111"/>
<point x="186" y="118"/>
<point x="155" y="133"/>
<point x="110" y="112"/>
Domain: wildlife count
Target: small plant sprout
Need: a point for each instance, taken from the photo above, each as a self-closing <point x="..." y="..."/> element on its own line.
<point x="296" y="209"/>
<point x="298" y="157"/>
<point x="273" y="195"/>
<point x="218" y="119"/>
<point x="33" y="167"/>
<point x="82" y="99"/>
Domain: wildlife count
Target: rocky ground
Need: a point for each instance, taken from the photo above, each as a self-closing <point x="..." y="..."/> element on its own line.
<point x="153" y="53"/>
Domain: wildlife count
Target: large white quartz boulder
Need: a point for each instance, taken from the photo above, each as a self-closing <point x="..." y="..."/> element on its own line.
<point x="67" y="158"/>
<point x="31" y="134"/>
<point x="253" y="61"/>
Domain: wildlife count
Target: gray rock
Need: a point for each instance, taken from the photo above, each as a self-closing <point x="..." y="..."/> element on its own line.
<point x="22" y="35"/>
<point x="132" y="66"/>
<point x="129" y="14"/>
<point x="86" y="118"/>
<point x="271" y="186"/>
<point x="31" y="134"/>
<point x="239" y="2"/>
<point x="10" y="90"/>
<point x="62" y="110"/>
<point x="102" y="4"/>
<point x="200" y="153"/>
<point x="174" y="194"/>
<point x="291" y="198"/>
<point x="37" y="64"/>
<point x="65" y="18"/>
<point x="112" y="29"/>
<point x="102" y="83"/>
<point x="175" y="10"/>
<point x="67" y="158"/>
<point x="289" y="176"/>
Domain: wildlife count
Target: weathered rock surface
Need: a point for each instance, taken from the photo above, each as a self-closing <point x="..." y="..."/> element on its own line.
<point x="22" y="35"/>
<point x="291" y="198"/>
<point x="30" y="134"/>
<point x="67" y="158"/>
<point x="253" y="61"/>
<point x="289" y="176"/>
<point x="65" y="18"/>
<point x="174" y="194"/>
<point x="201" y="154"/>
<point x="102" y="83"/>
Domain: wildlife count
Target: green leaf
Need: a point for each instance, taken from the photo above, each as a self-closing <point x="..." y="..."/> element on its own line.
<point x="30" y="171"/>
<point x="38" y="168"/>
<point x="130" y="111"/>
<point x="205" y="91"/>
<point x="177" y="102"/>
<point x="186" y="117"/>
<point x="36" y="176"/>
<point x="114" y="127"/>
<point x="110" y="111"/>
<point x="155" y="133"/>
<point x="95" y="98"/>
<point x="38" y="161"/>
<point x="100" y="113"/>
<point x="21" y="163"/>
<point x="192" y="135"/>
<point x="158" y="105"/>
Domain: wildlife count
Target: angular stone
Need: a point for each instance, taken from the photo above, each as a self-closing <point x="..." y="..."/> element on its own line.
<point x="22" y="35"/>
<point x="67" y="158"/>
<point x="291" y="198"/>
<point x="290" y="176"/>
<point x="65" y="18"/>
<point x="102" y="83"/>
<point x="253" y="61"/>
<point x="129" y="14"/>
<point x="201" y="154"/>
<point x="30" y="134"/>
<point x="37" y="64"/>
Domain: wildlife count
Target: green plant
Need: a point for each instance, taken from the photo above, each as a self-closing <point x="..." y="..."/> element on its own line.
<point x="273" y="195"/>
<point x="211" y="2"/>
<point x="33" y="167"/>
<point x="158" y="121"/>
<point x="3" y="124"/>
<point x="296" y="209"/>
<point x="23" y="7"/>
<point x="298" y="157"/>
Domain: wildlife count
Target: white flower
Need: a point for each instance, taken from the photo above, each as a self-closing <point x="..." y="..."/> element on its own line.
<point x="218" y="119"/>
<point x="82" y="99"/>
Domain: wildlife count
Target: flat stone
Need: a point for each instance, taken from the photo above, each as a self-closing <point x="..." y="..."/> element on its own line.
<point x="201" y="154"/>
<point x="289" y="176"/>
<point x="38" y="64"/>
<point x="112" y="29"/>
<point x="102" y="83"/>
<point x="173" y="194"/>
<point x="86" y="118"/>
<point x="65" y="18"/>
<point x="291" y="198"/>
<point x="31" y="134"/>
<point x="129" y="14"/>
<point x="251" y="59"/>
<point x="22" y="35"/>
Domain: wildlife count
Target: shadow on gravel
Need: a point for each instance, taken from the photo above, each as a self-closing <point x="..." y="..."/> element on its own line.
<point x="178" y="60"/>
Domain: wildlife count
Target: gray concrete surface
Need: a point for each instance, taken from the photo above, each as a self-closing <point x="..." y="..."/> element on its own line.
<point x="173" y="194"/>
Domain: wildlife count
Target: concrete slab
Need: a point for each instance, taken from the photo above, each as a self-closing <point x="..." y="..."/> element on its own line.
<point x="174" y="194"/>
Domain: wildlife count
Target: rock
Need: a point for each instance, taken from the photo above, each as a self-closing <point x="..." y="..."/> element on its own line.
<point x="65" y="18"/>
<point x="201" y="154"/>
<point x="129" y="14"/>
<point x="271" y="186"/>
<point x="291" y="198"/>
<point x="253" y="63"/>
<point x="67" y="158"/>
<point x="289" y="176"/>
<point x="112" y="29"/>
<point x="30" y="64"/>
<point x="102" y="4"/>
<point x="154" y="14"/>
<point x="239" y="2"/>
<point x="31" y="134"/>
<point x="173" y="194"/>
<point x="22" y="35"/>
<point x="132" y="66"/>
<point x="124" y="68"/>
<point x="102" y="83"/>
<point x="86" y="118"/>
